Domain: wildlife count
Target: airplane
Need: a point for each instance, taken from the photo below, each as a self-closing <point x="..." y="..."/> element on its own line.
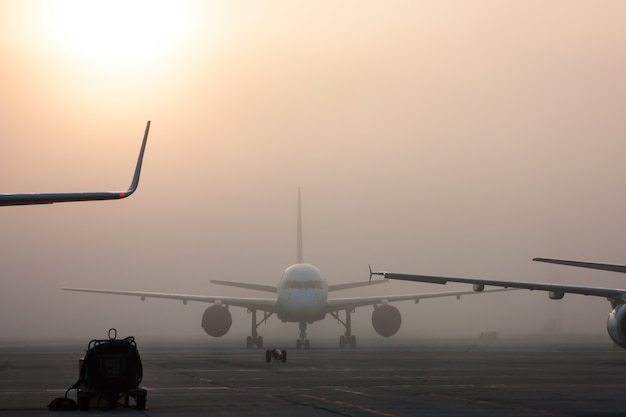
<point x="49" y="198"/>
<point x="301" y="296"/>
<point x="616" y="323"/>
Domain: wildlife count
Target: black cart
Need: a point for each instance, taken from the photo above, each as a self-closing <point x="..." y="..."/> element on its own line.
<point x="110" y="375"/>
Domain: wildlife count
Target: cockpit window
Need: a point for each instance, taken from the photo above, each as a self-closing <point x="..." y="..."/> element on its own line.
<point x="302" y="285"/>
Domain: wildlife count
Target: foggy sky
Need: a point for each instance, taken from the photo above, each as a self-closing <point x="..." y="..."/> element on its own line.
<point x="443" y="137"/>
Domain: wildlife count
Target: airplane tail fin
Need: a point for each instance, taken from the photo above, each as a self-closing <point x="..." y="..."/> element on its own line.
<point x="590" y="265"/>
<point x="299" y="251"/>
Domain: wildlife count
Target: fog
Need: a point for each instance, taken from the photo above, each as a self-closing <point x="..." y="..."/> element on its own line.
<point x="437" y="137"/>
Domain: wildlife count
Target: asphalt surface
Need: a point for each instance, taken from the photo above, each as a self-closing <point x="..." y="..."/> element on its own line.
<point x="411" y="378"/>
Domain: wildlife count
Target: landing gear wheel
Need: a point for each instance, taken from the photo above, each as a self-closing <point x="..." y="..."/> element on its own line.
<point x="352" y="341"/>
<point x="298" y="344"/>
<point x="307" y="344"/>
<point x="342" y="342"/>
<point x="268" y="356"/>
<point x="284" y="358"/>
<point x="254" y="341"/>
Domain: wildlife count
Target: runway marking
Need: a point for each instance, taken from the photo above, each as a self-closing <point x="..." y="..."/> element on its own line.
<point x="350" y="392"/>
<point x="500" y="405"/>
<point x="187" y="388"/>
<point x="350" y="405"/>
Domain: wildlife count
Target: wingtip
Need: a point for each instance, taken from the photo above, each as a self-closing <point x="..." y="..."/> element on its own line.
<point x="135" y="182"/>
<point x="382" y="274"/>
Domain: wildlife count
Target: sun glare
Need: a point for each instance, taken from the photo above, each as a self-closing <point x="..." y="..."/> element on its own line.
<point x="117" y="34"/>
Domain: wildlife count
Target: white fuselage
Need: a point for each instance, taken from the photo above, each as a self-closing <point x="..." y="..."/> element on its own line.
<point x="302" y="294"/>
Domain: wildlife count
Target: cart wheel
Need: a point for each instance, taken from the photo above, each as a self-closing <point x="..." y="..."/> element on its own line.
<point x="141" y="402"/>
<point x="83" y="404"/>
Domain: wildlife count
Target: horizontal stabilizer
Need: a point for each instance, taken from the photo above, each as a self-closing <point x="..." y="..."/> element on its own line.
<point x="591" y="265"/>
<point x="337" y="287"/>
<point x="250" y="286"/>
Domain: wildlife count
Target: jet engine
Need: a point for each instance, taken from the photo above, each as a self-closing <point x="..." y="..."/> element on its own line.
<point x="386" y="320"/>
<point x="616" y="325"/>
<point x="216" y="321"/>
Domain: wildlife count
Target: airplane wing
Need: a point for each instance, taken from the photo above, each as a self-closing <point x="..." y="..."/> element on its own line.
<point x="556" y="291"/>
<point x="337" y="304"/>
<point x="591" y="265"/>
<point x="263" y="304"/>
<point x="49" y="198"/>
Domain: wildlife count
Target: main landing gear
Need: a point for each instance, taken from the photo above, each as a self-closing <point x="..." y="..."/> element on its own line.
<point x="302" y="341"/>
<point x="255" y="340"/>
<point x="347" y="339"/>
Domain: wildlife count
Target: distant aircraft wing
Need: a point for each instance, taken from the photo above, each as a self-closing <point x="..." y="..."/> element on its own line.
<point x="49" y="198"/>
<point x="337" y="304"/>
<point x="591" y="265"/>
<point x="264" y="304"/>
<point x="556" y="291"/>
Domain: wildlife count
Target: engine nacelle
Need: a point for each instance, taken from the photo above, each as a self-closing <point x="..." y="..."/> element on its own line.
<point x="616" y="325"/>
<point x="386" y="320"/>
<point x="216" y="321"/>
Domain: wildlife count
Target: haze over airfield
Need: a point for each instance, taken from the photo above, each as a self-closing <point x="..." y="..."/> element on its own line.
<point x="444" y="137"/>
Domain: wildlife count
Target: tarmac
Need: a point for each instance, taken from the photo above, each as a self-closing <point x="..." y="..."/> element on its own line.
<point x="378" y="378"/>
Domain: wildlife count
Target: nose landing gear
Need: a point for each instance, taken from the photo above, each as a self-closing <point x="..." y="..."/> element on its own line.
<point x="303" y="341"/>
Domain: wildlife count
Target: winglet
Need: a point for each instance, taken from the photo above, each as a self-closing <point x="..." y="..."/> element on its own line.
<point x="135" y="183"/>
<point x="372" y="273"/>
<point x="382" y="274"/>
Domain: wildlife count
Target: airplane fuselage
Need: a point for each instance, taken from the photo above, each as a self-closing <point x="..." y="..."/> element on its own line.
<point x="302" y="294"/>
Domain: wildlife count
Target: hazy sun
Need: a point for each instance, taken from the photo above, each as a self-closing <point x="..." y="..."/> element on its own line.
<point x="118" y="34"/>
